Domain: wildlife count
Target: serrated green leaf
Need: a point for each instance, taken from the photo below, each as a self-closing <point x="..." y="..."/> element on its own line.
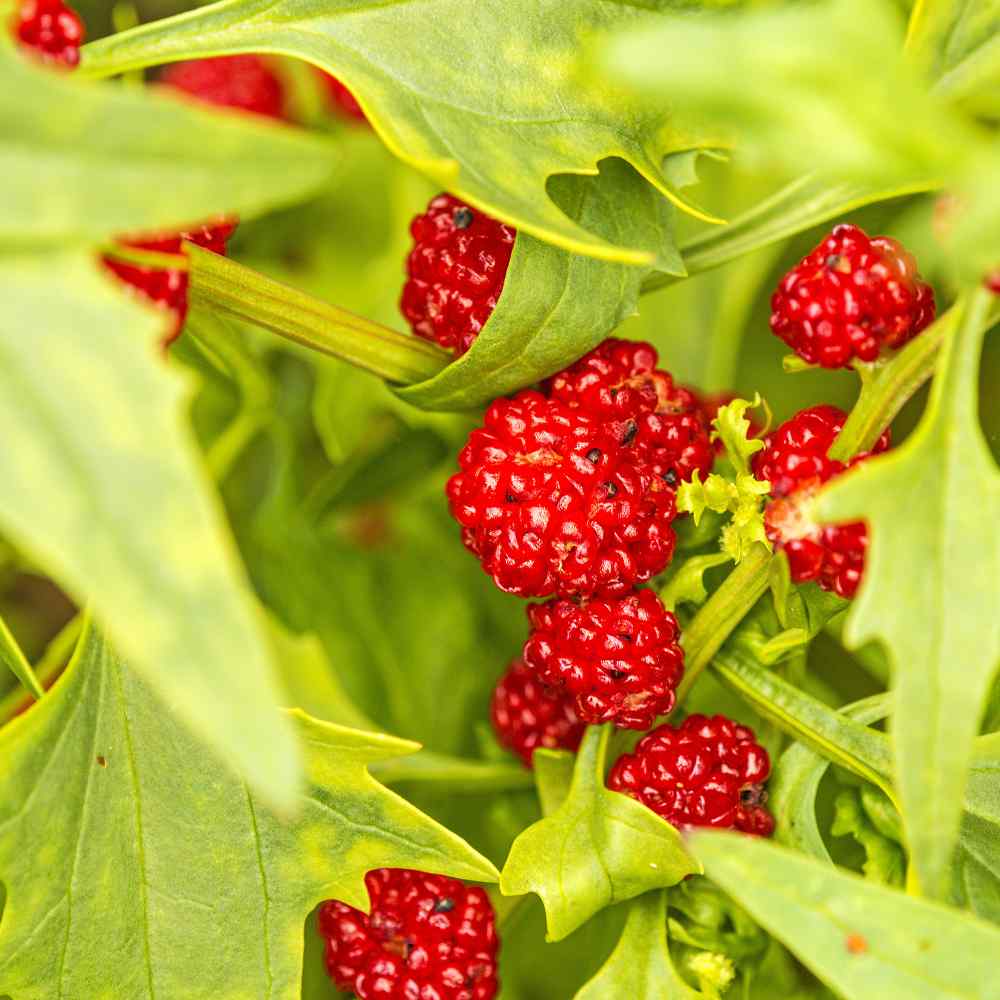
<point x="863" y="940"/>
<point x="687" y="584"/>
<point x="941" y="624"/>
<point x="599" y="847"/>
<point x="151" y="847"/>
<point x="741" y="498"/>
<point x="556" y="305"/>
<point x="115" y="505"/>
<point x="732" y="428"/>
<point x="491" y="110"/>
<point x="640" y="967"/>
<point x="93" y="160"/>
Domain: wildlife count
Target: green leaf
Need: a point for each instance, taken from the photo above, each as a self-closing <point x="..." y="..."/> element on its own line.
<point x="151" y="847"/>
<point x="126" y="159"/>
<point x="491" y="109"/>
<point x="599" y="847"/>
<point x="741" y="498"/>
<point x="640" y="967"/>
<point x="12" y="657"/>
<point x="863" y="940"/>
<point x="940" y="624"/>
<point x="687" y="584"/>
<point x="556" y="305"/>
<point x="116" y="508"/>
<point x="885" y="862"/>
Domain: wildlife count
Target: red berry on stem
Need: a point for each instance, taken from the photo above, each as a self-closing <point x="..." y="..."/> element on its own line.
<point x="795" y="462"/>
<point x="455" y="272"/>
<point x="427" y="937"/>
<point x="704" y="772"/>
<point x="852" y="298"/>
<point x="527" y="714"/>
<point x="550" y="503"/>
<point x="245" y="82"/>
<point x="618" y="656"/>
<point x="51" y="29"/>
<point x="619" y="384"/>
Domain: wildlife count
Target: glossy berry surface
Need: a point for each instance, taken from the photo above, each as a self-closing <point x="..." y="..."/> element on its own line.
<point x="427" y="937"/>
<point x="852" y="298"/>
<point x="662" y="423"/>
<point x="455" y="272"/>
<point x="341" y="99"/>
<point x="619" y="657"/>
<point x="165" y="287"/>
<point x="708" y="771"/>
<point x="795" y="462"/>
<point x="528" y="714"/>
<point x="245" y="82"/>
<point x="550" y="504"/>
<point x="50" y="29"/>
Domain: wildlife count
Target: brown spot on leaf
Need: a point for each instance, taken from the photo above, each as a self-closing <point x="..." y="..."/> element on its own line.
<point x="103" y="761"/>
<point x="856" y="944"/>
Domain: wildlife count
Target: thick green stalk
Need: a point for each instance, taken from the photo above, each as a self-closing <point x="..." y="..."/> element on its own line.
<point x="225" y="285"/>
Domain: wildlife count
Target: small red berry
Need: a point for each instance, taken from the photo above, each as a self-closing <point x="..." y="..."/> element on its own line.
<point x="527" y="714"/>
<point x="795" y="462"/>
<point x="551" y="504"/>
<point x="341" y="99"/>
<point x="427" y="937"/>
<point x="456" y="272"/>
<point x="618" y="656"/>
<point x="704" y="772"/>
<point x="165" y="287"/>
<point x="852" y="297"/>
<point x="245" y="82"/>
<point x="619" y="384"/>
<point x="51" y="29"/>
<point x="993" y="282"/>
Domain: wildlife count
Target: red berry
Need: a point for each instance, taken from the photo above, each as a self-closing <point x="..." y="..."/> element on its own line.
<point x="526" y="714"/>
<point x="427" y="938"/>
<point x="618" y="656"/>
<point x="550" y="504"/>
<point x="704" y="772"/>
<point x="794" y="461"/>
<point x="51" y="29"/>
<point x="245" y="82"/>
<point x="993" y="282"/>
<point x="852" y="297"/>
<point x="619" y="384"/>
<point x="456" y="271"/>
<point x="165" y="287"/>
<point x="341" y="99"/>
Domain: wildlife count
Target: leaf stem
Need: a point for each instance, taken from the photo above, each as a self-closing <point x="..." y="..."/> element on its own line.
<point x="721" y="613"/>
<point x="230" y="287"/>
<point x="145" y="258"/>
<point x="10" y="653"/>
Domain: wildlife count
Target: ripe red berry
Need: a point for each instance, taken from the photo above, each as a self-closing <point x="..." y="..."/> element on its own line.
<point x="550" y="504"/>
<point x="852" y="297"/>
<point x="341" y="99"/>
<point x="245" y="82"/>
<point x="619" y="384"/>
<point x="794" y="461"/>
<point x="51" y="29"/>
<point x="427" y="938"/>
<point x="165" y="287"/>
<point x="527" y="714"/>
<point x="455" y="271"/>
<point x="618" y="656"/>
<point x="704" y="772"/>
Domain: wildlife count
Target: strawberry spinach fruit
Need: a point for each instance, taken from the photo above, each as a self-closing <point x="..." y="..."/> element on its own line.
<point x="338" y="338"/>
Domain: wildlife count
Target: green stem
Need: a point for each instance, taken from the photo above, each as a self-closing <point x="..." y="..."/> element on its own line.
<point x="48" y="668"/>
<point x="721" y="613"/>
<point x="10" y="653"/>
<point x="145" y="258"/>
<point x="225" y="285"/>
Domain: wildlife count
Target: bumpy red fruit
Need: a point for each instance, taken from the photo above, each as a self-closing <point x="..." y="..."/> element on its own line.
<point x="852" y="297"/>
<point x="794" y="461"/>
<point x="341" y="99"/>
<point x="455" y="272"/>
<point x="245" y="82"/>
<point x="51" y="29"/>
<point x="550" y="504"/>
<point x="528" y="714"/>
<point x="704" y="772"/>
<point x="427" y="938"/>
<point x="619" y="657"/>
<point x="662" y="423"/>
<point x="165" y="287"/>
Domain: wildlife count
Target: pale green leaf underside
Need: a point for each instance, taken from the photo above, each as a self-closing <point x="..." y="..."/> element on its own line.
<point x="103" y="486"/>
<point x="863" y="940"/>
<point x="482" y="97"/>
<point x="159" y="874"/>
<point x="93" y="160"/>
